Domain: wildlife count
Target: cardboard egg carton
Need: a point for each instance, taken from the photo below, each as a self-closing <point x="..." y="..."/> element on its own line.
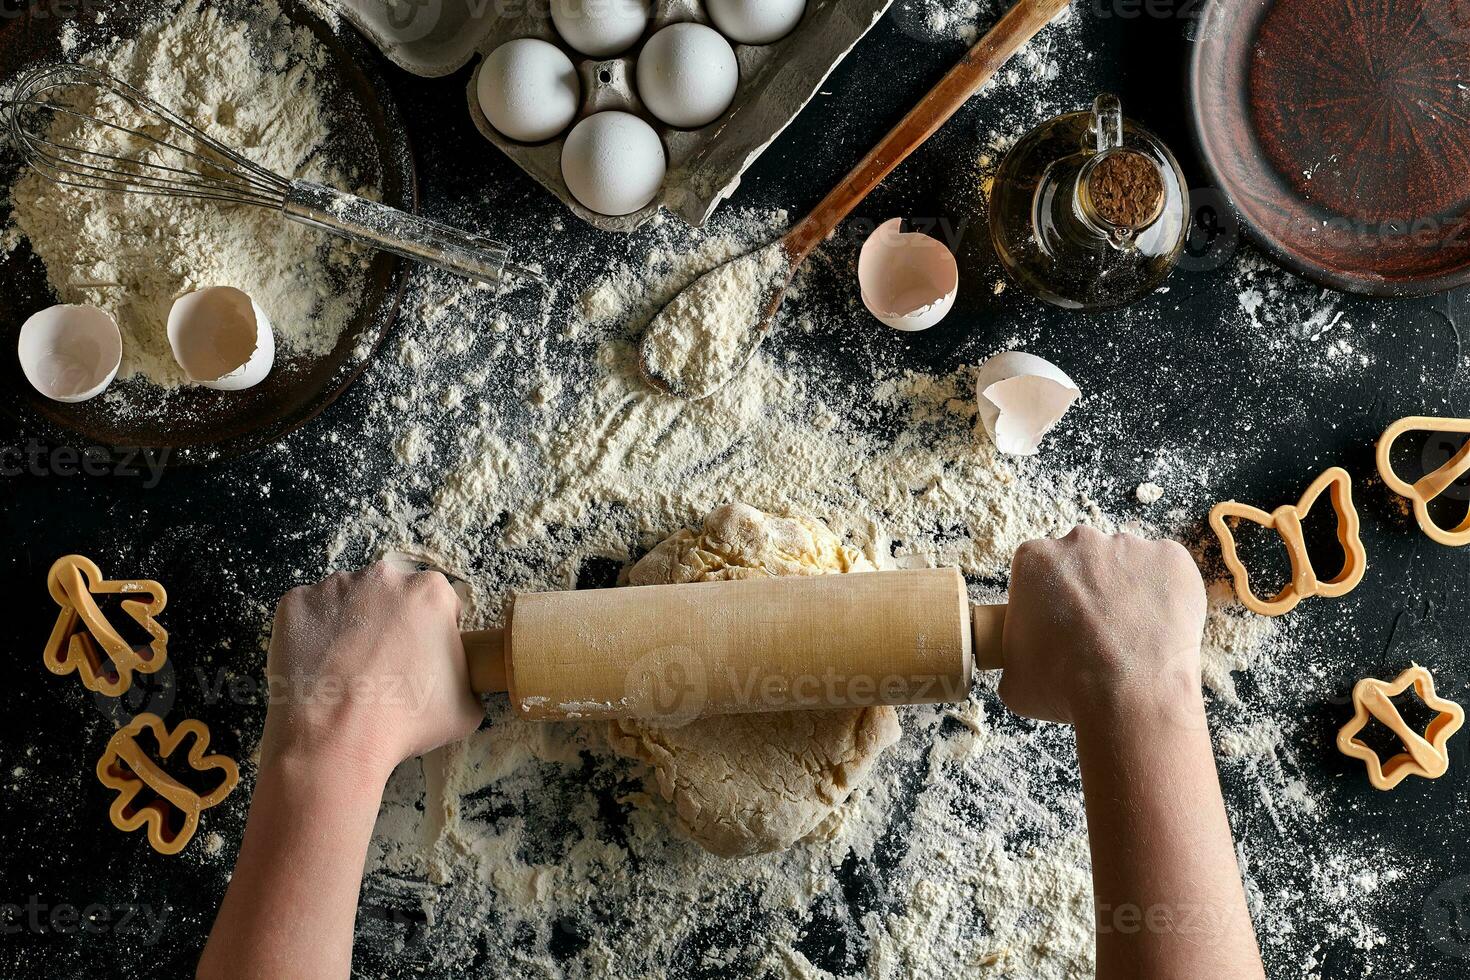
<point x="433" y="38"/>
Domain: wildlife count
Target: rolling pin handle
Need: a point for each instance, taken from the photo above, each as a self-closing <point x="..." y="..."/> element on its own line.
<point x="485" y="651"/>
<point x="987" y="627"/>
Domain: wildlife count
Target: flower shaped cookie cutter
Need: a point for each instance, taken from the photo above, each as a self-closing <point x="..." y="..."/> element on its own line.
<point x="127" y="767"/>
<point x="82" y="634"/>
<point x="1431" y="485"/>
<point x="1423" y="755"/>
<point x="1286" y="520"/>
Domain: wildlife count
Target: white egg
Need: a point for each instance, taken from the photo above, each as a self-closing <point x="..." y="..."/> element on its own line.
<point x="687" y="75"/>
<point x="613" y="163"/>
<point x="529" y="90"/>
<point x="600" y="28"/>
<point x="756" y="21"/>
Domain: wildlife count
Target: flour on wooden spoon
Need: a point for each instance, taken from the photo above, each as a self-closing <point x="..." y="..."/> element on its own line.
<point x="704" y="337"/>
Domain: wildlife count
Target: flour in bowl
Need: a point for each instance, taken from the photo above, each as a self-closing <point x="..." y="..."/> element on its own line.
<point x="249" y="77"/>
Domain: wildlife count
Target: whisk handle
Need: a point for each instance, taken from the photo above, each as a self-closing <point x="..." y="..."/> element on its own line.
<point x="411" y="236"/>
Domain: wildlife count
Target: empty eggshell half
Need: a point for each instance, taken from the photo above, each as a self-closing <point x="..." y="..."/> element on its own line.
<point x="70" y="353"/>
<point x="1021" y="396"/>
<point x="908" y="280"/>
<point x="221" y="338"/>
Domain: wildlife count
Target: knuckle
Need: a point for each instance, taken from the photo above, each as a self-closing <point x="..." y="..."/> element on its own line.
<point x="438" y="589"/>
<point x="1028" y="553"/>
<point x="1178" y="554"/>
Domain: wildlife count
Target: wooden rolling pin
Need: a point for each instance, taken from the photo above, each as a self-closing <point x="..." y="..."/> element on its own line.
<point x="673" y="653"/>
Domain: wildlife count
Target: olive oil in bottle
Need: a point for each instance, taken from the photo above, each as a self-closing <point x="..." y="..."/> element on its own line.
<point x="1088" y="210"/>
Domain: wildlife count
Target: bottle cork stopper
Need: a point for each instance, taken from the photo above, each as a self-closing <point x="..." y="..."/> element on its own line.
<point x="1287" y="521"/>
<point x="172" y="818"/>
<point x="1125" y="189"/>
<point x="1423" y="756"/>
<point x="84" y="642"/>
<point x="1432" y="485"/>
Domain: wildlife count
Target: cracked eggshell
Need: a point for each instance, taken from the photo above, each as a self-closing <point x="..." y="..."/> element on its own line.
<point x="70" y="353"/>
<point x="221" y="338"/>
<point x="908" y="280"/>
<point x="1021" y="396"/>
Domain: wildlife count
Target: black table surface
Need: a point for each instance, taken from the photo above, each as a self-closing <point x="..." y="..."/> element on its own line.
<point x="1180" y="365"/>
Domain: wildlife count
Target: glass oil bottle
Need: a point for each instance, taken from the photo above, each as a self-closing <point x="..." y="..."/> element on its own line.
<point x="1088" y="210"/>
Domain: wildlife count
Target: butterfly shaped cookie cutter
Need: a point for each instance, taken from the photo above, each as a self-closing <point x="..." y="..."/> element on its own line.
<point x="1430" y="485"/>
<point x="82" y="634"/>
<point x="127" y="768"/>
<point x="1286" y="520"/>
<point x="1424" y="755"/>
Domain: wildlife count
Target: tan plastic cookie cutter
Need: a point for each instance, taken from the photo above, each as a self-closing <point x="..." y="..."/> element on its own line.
<point x="82" y="634"/>
<point x="1430" y="485"/>
<point x="1424" y="755"/>
<point x="127" y="768"/>
<point x="1286" y="520"/>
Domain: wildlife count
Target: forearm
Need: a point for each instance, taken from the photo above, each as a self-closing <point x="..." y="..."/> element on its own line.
<point x="291" y="904"/>
<point x="1166" y="884"/>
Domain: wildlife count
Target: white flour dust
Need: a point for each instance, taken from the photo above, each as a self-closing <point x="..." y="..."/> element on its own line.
<point x="1291" y="315"/>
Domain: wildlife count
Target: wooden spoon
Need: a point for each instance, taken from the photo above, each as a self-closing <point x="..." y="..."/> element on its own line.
<point x="694" y="312"/>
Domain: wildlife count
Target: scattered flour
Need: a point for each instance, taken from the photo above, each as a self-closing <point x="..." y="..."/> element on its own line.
<point x="1289" y="314"/>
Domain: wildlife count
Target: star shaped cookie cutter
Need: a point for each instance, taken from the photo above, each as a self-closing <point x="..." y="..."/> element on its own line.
<point x="82" y="634"/>
<point x="1423" y="755"/>
<point x="127" y="768"/>
<point x="1430" y="485"/>
<point x="1286" y="520"/>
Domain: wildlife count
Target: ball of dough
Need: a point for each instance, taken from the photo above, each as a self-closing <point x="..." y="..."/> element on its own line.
<point x="687" y="75"/>
<point x="756" y="21"/>
<point x="753" y="784"/>
<point x="529" y="90"/>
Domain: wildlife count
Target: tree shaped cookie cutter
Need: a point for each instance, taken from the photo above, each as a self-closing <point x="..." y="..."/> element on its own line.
<point x="1430" y="485"/>
<point x="1286" y="520"/>
<point x="127" y="768"/>
<point x="1424" y="755"/>
<point x="82" y="634"/>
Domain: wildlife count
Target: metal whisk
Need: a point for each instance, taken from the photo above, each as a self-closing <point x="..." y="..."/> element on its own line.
<point x="168" y="156"/>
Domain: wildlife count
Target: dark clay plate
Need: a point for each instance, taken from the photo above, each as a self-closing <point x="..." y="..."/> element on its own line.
<point x="1340" y="131"/>
<point x="195" y="423"/>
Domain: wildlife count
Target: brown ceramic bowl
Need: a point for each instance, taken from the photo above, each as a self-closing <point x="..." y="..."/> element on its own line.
<point x="1340" y="131"/>
<point x="196" y="423"/>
